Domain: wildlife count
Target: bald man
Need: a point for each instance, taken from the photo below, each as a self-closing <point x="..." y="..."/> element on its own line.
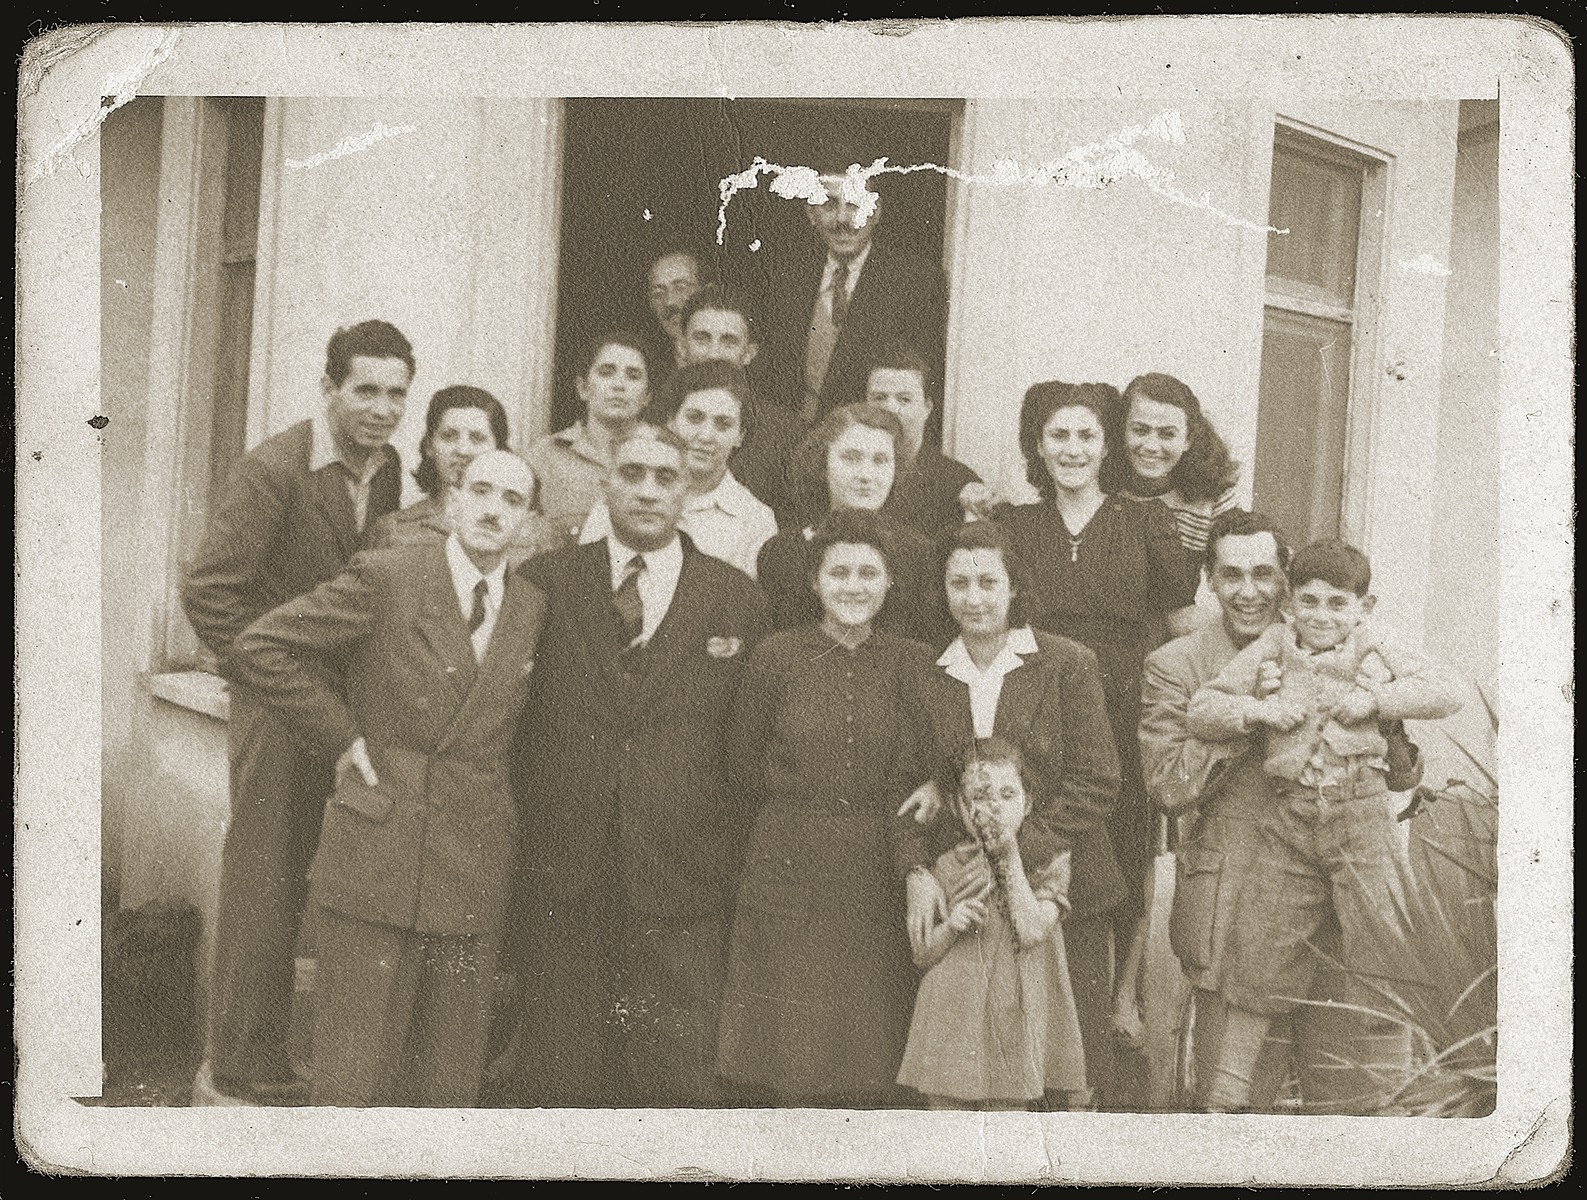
<point x="413" y="666"/>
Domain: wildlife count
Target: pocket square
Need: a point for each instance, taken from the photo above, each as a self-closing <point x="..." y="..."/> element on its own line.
<point x="723" y="647"/>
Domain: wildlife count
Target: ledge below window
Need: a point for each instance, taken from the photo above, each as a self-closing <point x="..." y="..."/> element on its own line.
<point x="196" y="690"/>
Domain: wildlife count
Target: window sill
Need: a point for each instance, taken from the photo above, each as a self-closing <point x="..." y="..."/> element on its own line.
<point x="199" y="691"/>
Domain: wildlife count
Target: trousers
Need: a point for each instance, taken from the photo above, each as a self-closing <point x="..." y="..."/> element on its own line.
<point x="278" y="794"/>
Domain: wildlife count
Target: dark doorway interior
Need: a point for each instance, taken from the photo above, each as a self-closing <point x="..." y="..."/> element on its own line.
<point x="666" y="157"/>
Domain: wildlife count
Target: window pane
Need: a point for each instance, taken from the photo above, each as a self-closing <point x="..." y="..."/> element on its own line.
<point x="1319" y="201"/>
<point x="1298" y="478"/>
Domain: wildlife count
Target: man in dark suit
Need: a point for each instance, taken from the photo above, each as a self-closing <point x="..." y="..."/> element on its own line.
<point x="293" y="511"/>
<point x="633" y="834"/>
<point x="675" y="275"/>
<point x="850" y="302"/>
<point x="412" y="665"/>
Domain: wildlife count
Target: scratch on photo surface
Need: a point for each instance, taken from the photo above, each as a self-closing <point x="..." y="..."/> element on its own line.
<point x="117" y="89"/>
<point x="1094" y="165"/>
<point x="352" y="145"/>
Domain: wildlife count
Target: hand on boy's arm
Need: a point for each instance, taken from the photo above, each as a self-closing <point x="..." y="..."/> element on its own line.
<point x="1357" y="707"/>
<point x="1276" y="712"/>
<point x="1269" y="678"/>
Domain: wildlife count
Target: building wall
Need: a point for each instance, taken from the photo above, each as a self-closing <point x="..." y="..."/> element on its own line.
<point x="130" y="177"/>
<point x="1103" y="284"/>
<point x="445" y="224"/>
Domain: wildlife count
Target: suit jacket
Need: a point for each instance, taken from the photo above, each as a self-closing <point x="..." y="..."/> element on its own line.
<point x="1052" y="708"/>
<point x="621" y="752"/>
<point x="898" y="298"/>
<point x="432" y="846"/>
<point x="1220" y="777"/>
<point x="278" y="530"/>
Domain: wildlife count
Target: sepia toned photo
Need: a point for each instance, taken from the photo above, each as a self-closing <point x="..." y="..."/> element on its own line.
<point x="688" y="628"/>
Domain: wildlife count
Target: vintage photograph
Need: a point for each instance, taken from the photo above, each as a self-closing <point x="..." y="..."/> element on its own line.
<point x="809" y="604"/>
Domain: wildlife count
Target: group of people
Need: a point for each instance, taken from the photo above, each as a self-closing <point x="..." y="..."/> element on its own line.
<point x="729" y="749"/>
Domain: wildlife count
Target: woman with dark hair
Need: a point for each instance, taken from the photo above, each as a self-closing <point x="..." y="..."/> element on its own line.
<point x="1105" y="571"/>
<point x="1044" y="693"/>
<point x="612" y="379"/>
<point x="817" y="1003"/>
<point x="461" y="423"/>
<point x="1172" y="454"/>
<point x="848" y="460"/>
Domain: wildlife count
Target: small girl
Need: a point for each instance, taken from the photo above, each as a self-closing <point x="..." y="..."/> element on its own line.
<point x="995" y="1024"/>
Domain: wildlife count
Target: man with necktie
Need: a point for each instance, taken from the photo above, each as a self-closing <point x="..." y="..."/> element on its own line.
<point x="633" y="834"/>
<point x="293" y="511"/>
<point x="410" y="669"/>
<point x="852" y="302"/>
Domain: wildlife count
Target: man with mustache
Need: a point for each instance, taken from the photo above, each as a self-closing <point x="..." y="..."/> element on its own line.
<point x="291" y="514"/>
<point x="675" y="276"/>
<point x="633" y="830"/>
<point x="411" y="667"/>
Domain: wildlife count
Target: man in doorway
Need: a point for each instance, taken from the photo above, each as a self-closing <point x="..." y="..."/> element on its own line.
<point x="719" y="327"/>
<point x="412" y="665"/>
<point x="292" y="513"/>
<point x="854" y="298"/>
<point x="927" y="484"/>
<point x="1223" y="785"/>
<point x="635" y="835"/>
<point x="675" y="275"/>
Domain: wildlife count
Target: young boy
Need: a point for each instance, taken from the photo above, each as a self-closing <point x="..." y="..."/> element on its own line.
<point x="1329" y="839"/>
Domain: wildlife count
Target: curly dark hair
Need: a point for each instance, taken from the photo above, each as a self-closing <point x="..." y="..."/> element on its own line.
<point x="367" y="339"/>
<point x="1037" y="408"/>
<point x="852" y="527"/>
<point x="1204" y="472"/>
<point x="427" y="475"/>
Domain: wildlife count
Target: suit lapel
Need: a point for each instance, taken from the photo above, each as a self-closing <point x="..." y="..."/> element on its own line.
<point x="440" y="623"/>
<point x="1020" y="698"/>
<point x="330" y="493"/>
<point x="852" y="335"/>
<point x="502" y="668"/>
<point x="679" y="629"/>
<point x="596" y="616"/>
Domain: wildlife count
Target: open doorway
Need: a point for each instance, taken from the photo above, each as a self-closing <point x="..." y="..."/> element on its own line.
<point x="642" y="176"/>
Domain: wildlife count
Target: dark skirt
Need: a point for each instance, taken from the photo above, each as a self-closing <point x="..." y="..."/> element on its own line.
<point x="819" y="978"/>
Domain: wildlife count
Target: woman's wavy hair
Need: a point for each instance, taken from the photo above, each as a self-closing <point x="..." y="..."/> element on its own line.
<point x="807" y="468"/>
<point x="852" y="527"/>
<point x="986" y="536"/>
<point x="1037" y="408"/>
<point x="1205" y="471"/>
<point x="427" y="475"/>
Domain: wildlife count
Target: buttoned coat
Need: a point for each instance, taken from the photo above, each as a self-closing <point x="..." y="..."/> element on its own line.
<point x="620" y="754"/>
<point x="431" y="847"/>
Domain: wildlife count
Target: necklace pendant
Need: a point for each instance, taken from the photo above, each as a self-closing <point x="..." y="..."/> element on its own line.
<point x="1074" y="551"/>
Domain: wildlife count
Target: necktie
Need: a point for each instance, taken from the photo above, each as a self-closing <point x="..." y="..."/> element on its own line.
<point x="840" y="292"/>
<point x="477" y="617"/>
<point x="629" y="605"/>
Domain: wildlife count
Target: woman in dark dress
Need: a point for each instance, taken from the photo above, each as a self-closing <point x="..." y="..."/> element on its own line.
<point x="820" y="981"/>
<point x="1105" y="571"/>
<point x="848" y="460"/>
<point x="999" y="677"/>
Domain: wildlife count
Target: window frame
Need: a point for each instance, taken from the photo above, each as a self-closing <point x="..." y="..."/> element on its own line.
<point x="1363" y="315"/>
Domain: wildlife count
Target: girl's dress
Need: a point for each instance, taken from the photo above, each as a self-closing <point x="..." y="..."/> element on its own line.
<point x="993" y="1022"/>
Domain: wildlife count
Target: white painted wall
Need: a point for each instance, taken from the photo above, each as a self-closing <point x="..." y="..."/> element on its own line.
<point x="446" y="226"/>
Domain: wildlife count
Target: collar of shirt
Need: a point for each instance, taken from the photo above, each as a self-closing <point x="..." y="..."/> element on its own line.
<point x="323" y="452"/>
<point x="855" y="265"/>
<point x="576" y="437"/>
<point x="957" y="663"/>
<point x="728" y="495"/>
<point x="465" y="575"/>
<point x="657" y="583"/>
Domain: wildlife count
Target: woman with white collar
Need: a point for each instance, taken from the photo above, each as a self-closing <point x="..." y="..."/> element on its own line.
<point x="1044" y="693"/>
